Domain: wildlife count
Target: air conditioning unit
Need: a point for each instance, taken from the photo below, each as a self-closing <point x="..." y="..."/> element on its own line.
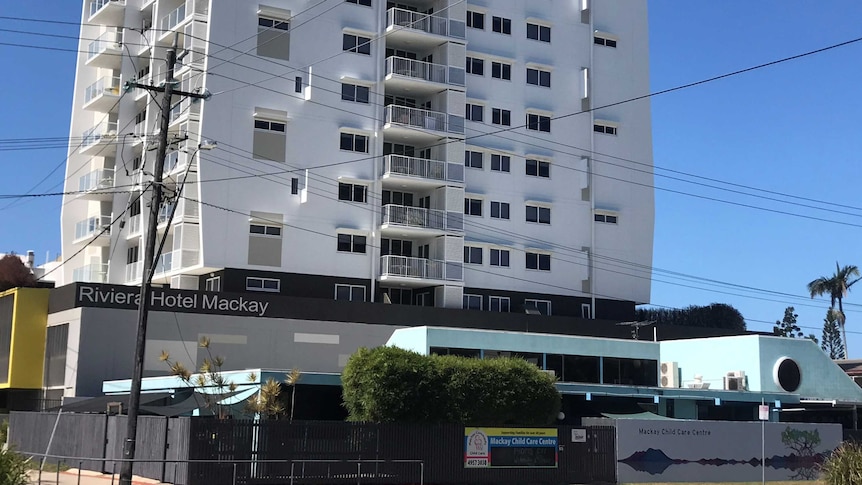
<point x="669" y="376"/>
<point x="734" y="381"/>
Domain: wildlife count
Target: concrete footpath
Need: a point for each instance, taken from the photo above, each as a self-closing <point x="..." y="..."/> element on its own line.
<point x="87" y="477"/>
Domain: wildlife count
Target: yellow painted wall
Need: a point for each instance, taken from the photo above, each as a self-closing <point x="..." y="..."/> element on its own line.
<point x="29" y="327"/>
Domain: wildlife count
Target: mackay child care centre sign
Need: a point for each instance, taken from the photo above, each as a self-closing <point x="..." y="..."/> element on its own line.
<point x="510" y="448"/>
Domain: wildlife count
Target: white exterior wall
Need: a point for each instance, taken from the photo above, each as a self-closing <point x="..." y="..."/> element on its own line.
<point x="315" y="117"/>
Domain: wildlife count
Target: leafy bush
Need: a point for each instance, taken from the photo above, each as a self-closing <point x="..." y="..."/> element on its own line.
<point x="13" y="468"/>
<point x="388" y="384"/>
<point x="844" y="465"/>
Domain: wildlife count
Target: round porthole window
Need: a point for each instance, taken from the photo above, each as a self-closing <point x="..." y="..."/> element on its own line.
<point x="787" y="374"/>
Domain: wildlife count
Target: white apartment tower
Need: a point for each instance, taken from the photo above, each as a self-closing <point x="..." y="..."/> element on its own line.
<point x="478" y="154"/>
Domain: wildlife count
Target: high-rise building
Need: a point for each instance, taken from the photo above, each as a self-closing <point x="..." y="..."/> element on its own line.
<point x="446" y="153"/>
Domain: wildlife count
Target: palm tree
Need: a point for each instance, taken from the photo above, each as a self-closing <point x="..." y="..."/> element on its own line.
<point x="837" y="287"/>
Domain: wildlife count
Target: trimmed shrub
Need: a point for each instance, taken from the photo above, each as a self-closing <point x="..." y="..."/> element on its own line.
<point x="388" y="384"/>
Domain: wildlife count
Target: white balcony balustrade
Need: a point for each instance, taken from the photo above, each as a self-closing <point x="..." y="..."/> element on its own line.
<point x="92" y="227"/>
<point x="134" y="271"/>
<point x="103" y="94"/>
<point x="407" y="26"/>
<point x="98" y="136"/>
<point x="94" y="184"/>
<point x="421" y="124"/>
<point x="107" y="50"/>
<point x="418" y="221"/>
<point x="91" y="273"/>
<point x="420" y="269"/>
<point x="107" y="12"/>
<point x="426" y="172"/>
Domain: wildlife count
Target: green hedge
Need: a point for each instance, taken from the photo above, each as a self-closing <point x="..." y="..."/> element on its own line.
<point x="388" y="384"/>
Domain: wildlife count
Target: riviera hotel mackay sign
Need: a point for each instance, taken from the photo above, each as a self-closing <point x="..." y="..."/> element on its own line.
<point x="171" y="300"/>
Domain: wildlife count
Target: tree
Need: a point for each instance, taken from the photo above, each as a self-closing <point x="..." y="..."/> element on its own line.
<point x="837" y="287"/>
<point x="268" y="401"/>
<point x="13" y="273"/>
<point x="832" y="343"/>
<point x="388" y="384"/>
<point x="209" y="378"/>
<point x="787" y="327"/>
<point x="715" y="315"/>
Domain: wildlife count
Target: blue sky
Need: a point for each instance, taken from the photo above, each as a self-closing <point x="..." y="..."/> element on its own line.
<point x="792" y="128"/>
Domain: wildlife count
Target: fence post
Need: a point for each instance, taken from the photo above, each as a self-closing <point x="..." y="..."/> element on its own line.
<point x="59" y="465"/>
<point x="234" y="473"/>
<point x="358" y="473"/>
<point x="113" y="472"/>
<point x="165" y="452"/>
<point x="40" y="476"/>
<point x="421" y="473"/>
<point x="291" y="472"/>
<point x="80" y="464"/>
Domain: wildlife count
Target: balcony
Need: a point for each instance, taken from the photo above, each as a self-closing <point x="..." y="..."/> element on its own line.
<point x="94" y="185"/>
<point x="96" y="228"/>
<point x="419" y="78"/>
<point x="148" y="39"/>
<point x="107" y="12"/>
<point x="403" y="220"/>
<point x="418" y="272"/>
<point x="420" y="172"/>
<point x="98" y="137"/>
<point x="187" y="211"/>
<point x="134" y="226"/>
<point x="420" y="125"/>
<point x="107" y="50"/>
<point x="91" y="273"/>
<point x="102" y="95"/>
<point x="188" y="11"/>
<point x="421" y="31"/>
<point x="174" y="261"/>
<point x="134" y="272"/>
<point x="141" y="93"/>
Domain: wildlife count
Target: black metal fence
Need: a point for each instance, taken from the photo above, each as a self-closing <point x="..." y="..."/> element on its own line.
<point x="318" y="453"/>
<point x="207" y="451"/>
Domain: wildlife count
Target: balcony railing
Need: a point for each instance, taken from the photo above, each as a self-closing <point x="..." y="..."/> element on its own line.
<point x="406" y="19"/>
<point x="165" y="263"/>
<point x="173" y="19"/>
<point x="97" y="5"/>
<point x="134" y="271"/>
<point x="106" y="85"/>
<point x="421" y="268"/>
<point x="423" y="168"/>
<point x="105" y="129"/>
<point x="417" y="69"/>
<point x="102" y="178"/>
<point x="91" y="273"/>
<point x="135" y="225"/>
<point x="418" y="217"/>
<point x="422" y="118"/>
<point x="108" y="40"/>
<point x="92" y="226"/>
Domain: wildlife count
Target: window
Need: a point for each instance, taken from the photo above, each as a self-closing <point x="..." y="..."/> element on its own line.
<point x="297" y="84"/>
<point x="262" y="284"/>
<point x="356" y="43"/>
<point x="396" y="247"/>
<point x="538" y="122"/>
<point x="472" y="302"/>
<point x="605" y="218"/>
<point x="501" y="117"/>
<point x="499" y="210"/>
<point x="475" y="66"/>
<point x="367" y="3"/>
<point x="473" y="159"/>
<point x="586" y="311"/>
<point x="272" y="23"/>
<point x="500" y="257"/>
<point x="543" y="306"/>
<point x="538" y="32"/>
<point x="273" y="36"/>
<point x="604" y="128"/>
<point x="475" y="112"/>
<point x="500" y="163"/>
<point x="350" y="292"/>
<point x="294" y="186"/>
<point x="542" y="215"/>
<point x="605" y="41"/>
<point x="538" y="77"/>
<point x="213" y="284"/>
<point x="355" y="93"/>
<point x="353" y="142"/>
<point x="269" y="125"/>
<point x="264" y="230"/>
<point x="397" y="197"/>
<point x="351" y="243"/>
<point x="501" y="70"/>
<point x="501" y="25"/>
<point x="475" y="20"/>
<point x="538" y="261"/>
<point x="472" y="255"/>
<point x="498" y="303"/>
<point x="352" y="192"/>
<point x="538" y="168"/>
<point x="473" y="207"/>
